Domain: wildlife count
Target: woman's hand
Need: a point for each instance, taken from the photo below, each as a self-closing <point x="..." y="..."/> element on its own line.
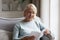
<point x="46" y="32"/>
<point x="28" y="38"/>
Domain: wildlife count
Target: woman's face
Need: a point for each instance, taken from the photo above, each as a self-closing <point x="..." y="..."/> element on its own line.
<point x="29" y="14"/>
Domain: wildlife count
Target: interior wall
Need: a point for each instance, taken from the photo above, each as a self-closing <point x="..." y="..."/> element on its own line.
<point x="14" y="14"/>
<point x="11" y="14"/>
<point x="54" y="18"/>
<point x="45" y="13"/>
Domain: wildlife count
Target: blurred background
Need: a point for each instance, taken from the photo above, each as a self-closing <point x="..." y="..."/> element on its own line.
<point x="48" y="11"/>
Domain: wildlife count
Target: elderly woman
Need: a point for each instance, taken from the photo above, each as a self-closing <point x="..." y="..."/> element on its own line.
<point x="30" y="23"/>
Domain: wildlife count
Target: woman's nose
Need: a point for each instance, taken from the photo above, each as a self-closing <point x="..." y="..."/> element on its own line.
<point x="30" y="14"/>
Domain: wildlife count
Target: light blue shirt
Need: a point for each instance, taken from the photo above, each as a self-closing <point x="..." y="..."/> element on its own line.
<point x="25" y="28"/>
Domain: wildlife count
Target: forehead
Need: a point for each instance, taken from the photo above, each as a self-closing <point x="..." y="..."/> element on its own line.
<point x="29" y="10"/>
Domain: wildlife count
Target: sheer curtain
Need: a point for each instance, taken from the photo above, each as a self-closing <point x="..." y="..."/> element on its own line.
<point x="50" y="15"/>
<point x="45" y="12"/>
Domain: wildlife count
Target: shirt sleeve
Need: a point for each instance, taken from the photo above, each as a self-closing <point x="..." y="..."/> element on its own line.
<point x="39" y="23"/>
<point x="41" y="27"/>
<point x="16" y="32"/>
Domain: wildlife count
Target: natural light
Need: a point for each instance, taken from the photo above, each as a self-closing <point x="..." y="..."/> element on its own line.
<point x="50" y="16"/>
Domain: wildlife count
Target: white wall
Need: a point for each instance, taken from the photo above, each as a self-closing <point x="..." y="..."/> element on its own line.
<point x="54" y="18"/>
<point x="59" y="19"/>
<point x="50" y="16"/>
<point x="45" y="12"/>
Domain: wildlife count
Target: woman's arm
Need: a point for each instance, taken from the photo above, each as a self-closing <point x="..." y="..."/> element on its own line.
<point x="28" y="38"/>
<point x="16" y="32"/>
<point x="42" y="26"/>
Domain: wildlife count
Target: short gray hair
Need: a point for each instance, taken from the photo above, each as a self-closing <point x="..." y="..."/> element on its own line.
<point x="32" y="6"/>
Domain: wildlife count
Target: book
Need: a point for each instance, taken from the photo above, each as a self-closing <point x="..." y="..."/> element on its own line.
<point x="37" y="35"/>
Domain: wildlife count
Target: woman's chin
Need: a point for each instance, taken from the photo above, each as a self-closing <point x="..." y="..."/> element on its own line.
<point x="29" y="20"/>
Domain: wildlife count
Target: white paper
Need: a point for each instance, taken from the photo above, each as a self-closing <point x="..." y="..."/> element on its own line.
<point x="36" y="34"/>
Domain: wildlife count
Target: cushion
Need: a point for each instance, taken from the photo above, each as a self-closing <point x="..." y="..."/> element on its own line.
<point x="9" y="23"/>
<point x="5" y="35"/>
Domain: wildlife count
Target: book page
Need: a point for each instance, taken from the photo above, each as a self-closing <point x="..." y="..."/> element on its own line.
<point x="36" y="34"/>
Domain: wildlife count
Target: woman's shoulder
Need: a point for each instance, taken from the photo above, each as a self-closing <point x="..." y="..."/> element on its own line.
<point x="37" y="19"/>
<point x="20" y="22"/>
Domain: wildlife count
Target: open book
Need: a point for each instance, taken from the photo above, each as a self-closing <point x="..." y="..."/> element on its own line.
<point x="36" y="34"/>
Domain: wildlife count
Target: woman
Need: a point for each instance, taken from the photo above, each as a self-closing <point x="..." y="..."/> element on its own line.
<point x="29" y="24"/>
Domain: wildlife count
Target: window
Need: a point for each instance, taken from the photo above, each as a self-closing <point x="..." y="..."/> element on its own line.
<point x="50" y="15"/>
